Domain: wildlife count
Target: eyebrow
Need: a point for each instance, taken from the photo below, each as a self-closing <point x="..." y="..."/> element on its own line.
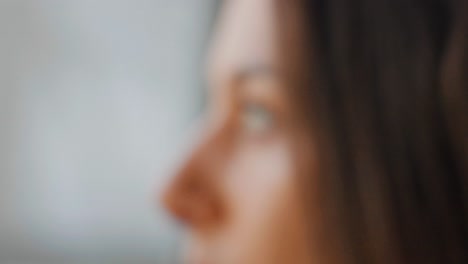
<point x="249" y="71"/>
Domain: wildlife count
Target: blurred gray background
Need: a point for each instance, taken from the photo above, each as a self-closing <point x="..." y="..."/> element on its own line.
<point x="95" y="98"/>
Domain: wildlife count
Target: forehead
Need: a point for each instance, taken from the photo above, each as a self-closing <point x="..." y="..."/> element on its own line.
<point x="245" y="37"/>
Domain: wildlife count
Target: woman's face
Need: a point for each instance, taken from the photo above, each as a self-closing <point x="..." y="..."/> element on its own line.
<point x="238" y="191"/>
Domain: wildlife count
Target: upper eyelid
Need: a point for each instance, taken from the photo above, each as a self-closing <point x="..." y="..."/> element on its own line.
<point x="235" y="78"/>
<point x="237" y="89"/>
<point x="268" y="93"/>
<point x="253" y="71"/>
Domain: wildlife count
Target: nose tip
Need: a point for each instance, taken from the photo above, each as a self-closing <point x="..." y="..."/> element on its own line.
<point x="182" y="196"/>
<point x="191" y="203"/>
<point x="191" y="196"/>
<point x="169" y="202"/>
<point x="167" y="199"/>
<point x="172" y="195"/>
<point x="175" y="209"/>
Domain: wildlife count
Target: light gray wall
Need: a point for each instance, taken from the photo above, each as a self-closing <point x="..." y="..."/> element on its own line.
<point x="95" y="97"/>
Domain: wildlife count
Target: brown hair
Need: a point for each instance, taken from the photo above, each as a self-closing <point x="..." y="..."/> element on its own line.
<point x="383" y="85"/>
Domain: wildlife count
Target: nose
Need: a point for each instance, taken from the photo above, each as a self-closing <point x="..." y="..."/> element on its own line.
<point x="192" y="196"/>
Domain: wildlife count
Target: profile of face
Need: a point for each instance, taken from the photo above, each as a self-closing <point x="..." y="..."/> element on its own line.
<point x="237" y="191"/>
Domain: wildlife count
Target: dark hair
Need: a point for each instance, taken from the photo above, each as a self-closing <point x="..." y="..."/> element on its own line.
<point x="383" y="84"/>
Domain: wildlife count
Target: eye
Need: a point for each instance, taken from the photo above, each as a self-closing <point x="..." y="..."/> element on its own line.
<point x="256" y="119"/>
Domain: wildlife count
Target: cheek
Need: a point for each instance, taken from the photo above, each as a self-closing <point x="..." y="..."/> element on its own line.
<point x="259" y="177"/>
<point x="263" y="201"/>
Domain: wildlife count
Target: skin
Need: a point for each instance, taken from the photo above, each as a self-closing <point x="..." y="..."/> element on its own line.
<point x="237" y="191"/>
